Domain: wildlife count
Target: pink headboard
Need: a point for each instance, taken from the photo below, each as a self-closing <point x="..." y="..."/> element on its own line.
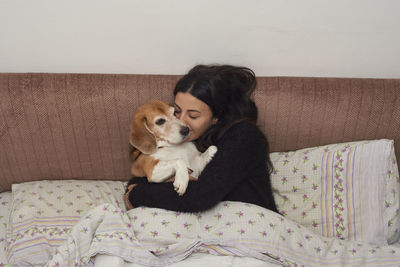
<point x="75" y="126"/>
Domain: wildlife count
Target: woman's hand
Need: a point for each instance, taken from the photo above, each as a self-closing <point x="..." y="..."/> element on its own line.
<point x="128" y="204"/>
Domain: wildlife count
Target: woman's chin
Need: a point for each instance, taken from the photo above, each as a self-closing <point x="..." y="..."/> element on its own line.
<point x="190" y="138"/>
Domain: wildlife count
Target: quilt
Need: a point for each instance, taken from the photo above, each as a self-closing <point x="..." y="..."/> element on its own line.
<point x="156" y="237"/>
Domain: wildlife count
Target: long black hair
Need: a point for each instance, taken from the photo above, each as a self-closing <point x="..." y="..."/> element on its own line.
<point x="227" y="90"/>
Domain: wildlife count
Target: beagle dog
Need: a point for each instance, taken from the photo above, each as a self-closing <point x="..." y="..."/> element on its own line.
<point x="159" y="147"/>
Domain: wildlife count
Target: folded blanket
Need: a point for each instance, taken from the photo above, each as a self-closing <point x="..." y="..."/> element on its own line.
<point x="157" y="237"/>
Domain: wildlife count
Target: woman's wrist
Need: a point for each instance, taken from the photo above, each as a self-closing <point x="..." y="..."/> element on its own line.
<point x="128" y="204"/>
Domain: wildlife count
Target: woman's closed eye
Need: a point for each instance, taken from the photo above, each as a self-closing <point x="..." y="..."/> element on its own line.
<point x="193" y="117"/>
<point x="193" y="114"/>
<point x="177" y="113"/>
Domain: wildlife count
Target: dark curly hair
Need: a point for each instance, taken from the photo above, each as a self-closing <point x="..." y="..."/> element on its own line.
<point x="227" y="90"/>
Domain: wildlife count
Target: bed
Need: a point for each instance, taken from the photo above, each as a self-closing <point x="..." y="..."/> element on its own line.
<point x="64" y="164"/>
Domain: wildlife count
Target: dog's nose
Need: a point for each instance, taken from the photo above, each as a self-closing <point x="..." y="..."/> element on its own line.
<point x="184" y="131"/>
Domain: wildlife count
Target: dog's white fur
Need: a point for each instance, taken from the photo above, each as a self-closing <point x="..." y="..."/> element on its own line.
<point x="160" y="138"/>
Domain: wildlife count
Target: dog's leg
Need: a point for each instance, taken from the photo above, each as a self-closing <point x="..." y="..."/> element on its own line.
<point x="162" y="171"/>
<point x="167" y="168"/>
<point x="202" y="159"/>
<point x="207" y="156"/>
<point x="209" y="153"/>
<point x="181" y="177"/>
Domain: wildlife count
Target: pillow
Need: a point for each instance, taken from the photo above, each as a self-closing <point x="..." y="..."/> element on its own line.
<point x="349" y="190"/>
<point x="5" y="203"/>
<point x="43" y="213"/>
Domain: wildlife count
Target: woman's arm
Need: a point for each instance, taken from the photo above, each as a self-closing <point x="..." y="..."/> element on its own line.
<point x="238" y="151"/>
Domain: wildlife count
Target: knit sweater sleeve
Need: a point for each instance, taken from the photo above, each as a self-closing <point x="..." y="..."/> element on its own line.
<point x="238" y="150"/>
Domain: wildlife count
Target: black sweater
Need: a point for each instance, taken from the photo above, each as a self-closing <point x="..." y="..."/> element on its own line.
<point x="238" y="172"/>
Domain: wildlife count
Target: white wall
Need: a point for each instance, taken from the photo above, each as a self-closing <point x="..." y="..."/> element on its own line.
<point x="342" y="38"/>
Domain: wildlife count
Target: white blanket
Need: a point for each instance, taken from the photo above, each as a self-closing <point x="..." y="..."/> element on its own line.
<point x="157" y="237"/>
<point x="194" y="260"/>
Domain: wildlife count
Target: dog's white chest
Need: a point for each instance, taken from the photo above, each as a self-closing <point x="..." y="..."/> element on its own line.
<point x="186" y="151"/>
<point x="177" y="160"/>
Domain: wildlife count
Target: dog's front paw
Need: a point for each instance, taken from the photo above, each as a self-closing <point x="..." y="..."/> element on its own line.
<point x="209" y="153"/>
<point x="180" y="185"/>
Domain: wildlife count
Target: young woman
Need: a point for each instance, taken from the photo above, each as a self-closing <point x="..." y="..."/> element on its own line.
<point x="215" y="103"/>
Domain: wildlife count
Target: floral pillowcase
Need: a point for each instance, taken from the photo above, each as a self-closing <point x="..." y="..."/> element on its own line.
<point x="43" y="213"/>
<point x="350" y="190"/>
<point x="5" y="200"/>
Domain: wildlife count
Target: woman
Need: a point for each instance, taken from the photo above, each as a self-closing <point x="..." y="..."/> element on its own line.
<point x="215" y="103"/>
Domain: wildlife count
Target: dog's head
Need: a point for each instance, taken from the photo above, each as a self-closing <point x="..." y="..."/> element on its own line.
<point x="154" y="122"/>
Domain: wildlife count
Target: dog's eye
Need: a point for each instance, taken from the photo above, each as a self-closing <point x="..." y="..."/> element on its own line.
<point x="160" y="121"/>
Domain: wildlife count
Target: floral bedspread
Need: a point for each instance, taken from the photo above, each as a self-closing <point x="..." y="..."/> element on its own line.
<point x="157" y="237"/>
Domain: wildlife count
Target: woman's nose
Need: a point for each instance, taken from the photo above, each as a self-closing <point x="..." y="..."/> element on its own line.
<point x="182" y="118"/>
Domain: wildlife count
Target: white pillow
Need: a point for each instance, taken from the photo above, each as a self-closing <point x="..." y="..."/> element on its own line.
<point x="43" y="213"/>
<point x="349" y="190"/>
<point x="5" y="203"/>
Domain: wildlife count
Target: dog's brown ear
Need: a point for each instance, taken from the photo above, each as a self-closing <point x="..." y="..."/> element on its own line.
<point x="140" y="136"/>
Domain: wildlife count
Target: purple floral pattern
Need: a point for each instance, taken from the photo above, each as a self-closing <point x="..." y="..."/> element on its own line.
<point x="320" y="188"/>
<point x="44" y="212"/>
<point x="338" y="200"/>
<point x="270" y="236"/>
<point x="392" y="211"/>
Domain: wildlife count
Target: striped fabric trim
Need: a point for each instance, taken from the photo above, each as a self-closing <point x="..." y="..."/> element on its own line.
<point x="45" y="221"/>
<point x="338" y="194"/>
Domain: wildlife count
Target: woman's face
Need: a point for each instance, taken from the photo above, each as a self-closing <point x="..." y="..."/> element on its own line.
<point x="194" y="113"/>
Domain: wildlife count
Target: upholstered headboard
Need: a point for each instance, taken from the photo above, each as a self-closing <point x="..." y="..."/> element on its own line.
<point x="75" y="126"/>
